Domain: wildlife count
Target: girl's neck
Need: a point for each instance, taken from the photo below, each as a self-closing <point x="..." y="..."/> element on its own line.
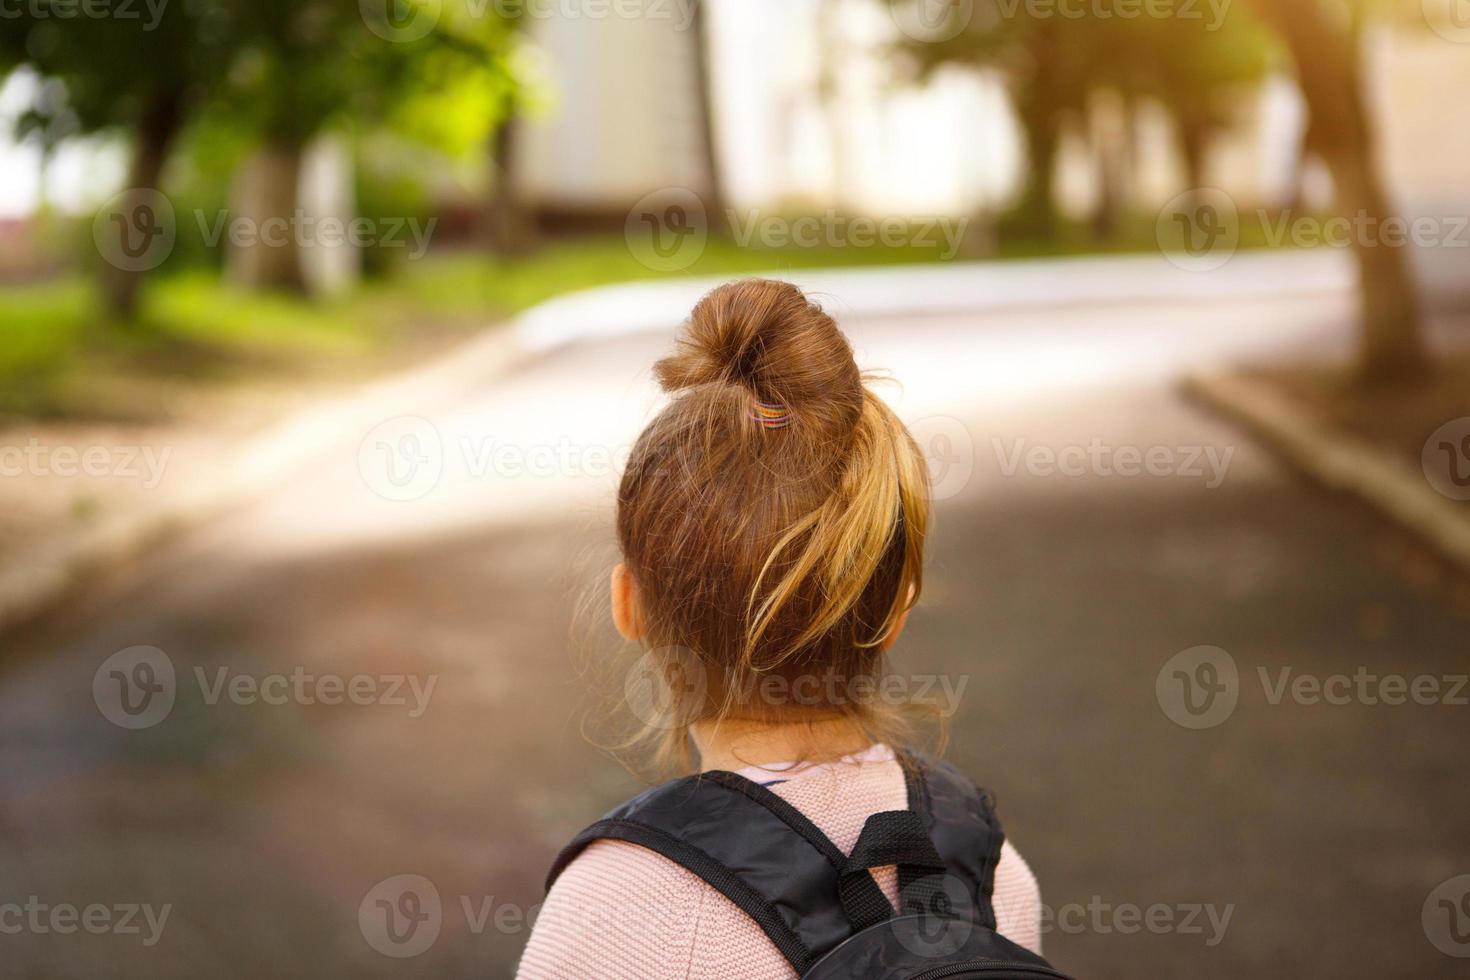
<point x="733" y="744"/>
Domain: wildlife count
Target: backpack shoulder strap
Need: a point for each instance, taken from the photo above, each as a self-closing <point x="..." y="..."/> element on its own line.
<point x="961" y="821"/>
<point x="774" y="864"/>
<point x="747" y="843"/>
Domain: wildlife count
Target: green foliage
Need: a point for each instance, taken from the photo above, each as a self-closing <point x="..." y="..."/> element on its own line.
<point x="109" y="68"/>
<point x="225" y="78"/>
<point x="302" y="65"/>
<point x="1055" y="56"/>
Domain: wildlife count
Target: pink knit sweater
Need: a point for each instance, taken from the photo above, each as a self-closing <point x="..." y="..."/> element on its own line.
<point x="622" y="912"/>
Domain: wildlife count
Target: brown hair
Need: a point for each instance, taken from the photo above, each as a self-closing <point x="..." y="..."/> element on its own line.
<point x="760" y="552"/>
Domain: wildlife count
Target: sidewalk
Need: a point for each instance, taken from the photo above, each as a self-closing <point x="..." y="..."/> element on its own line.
<point x="78" y="497"/>
<point x="1412" y="489"/>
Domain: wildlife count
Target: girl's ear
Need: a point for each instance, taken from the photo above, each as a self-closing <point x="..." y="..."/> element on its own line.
<point x="627" y="614"/>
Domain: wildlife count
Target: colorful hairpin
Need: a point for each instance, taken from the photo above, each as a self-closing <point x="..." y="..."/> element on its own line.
<point x="771" y="416"/>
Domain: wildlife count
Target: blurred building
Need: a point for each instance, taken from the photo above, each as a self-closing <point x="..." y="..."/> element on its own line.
<point x="625" y="112"/>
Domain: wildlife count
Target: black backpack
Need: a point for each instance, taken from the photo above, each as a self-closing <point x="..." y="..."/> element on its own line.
<point x="822" y="908"/>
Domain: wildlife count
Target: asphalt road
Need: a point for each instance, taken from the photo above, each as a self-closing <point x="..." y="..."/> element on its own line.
<point x="1093" y="526"/>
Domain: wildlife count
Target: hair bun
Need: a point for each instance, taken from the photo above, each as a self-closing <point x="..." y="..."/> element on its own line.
<point x="767" y="337"/>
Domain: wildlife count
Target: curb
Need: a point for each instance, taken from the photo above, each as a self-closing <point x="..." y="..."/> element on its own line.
<point x="36" y="579"/>
<point x="1340" y="462"/>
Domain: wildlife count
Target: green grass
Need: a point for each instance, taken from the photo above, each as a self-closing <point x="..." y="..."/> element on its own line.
<point x="57" y="348"/>
<point x="474" y="282"/>
<point x="41" y="324"/>
<point x="58" y="351"/>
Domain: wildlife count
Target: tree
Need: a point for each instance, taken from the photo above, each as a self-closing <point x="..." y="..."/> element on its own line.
<point x="280" y="70"/>
<point x="699" y="29"/>
<point x="307" y="65"/>
<point x="1327" y="50"/>
<point x="1197" y="70"/>
<point x="1055" y="66"/>
<point x="1048" y="66"/>
<point x="144" y="76"/>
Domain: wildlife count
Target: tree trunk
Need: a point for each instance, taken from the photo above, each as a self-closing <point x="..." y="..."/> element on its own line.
<point x="1112" y="136"/>
<point x="270" y="257"/>
<point x="1037" y="207"/>
<point x="704" y="82"/>
<point x="1194" y="141"/>
<point x="156" y="130"/>
<point x="507" y="228"/>
<point x="1037" y="108"/>
<point x="1391" y="346"/>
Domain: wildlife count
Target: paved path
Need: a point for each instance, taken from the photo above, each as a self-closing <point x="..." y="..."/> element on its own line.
<point x="1056" y="599"/>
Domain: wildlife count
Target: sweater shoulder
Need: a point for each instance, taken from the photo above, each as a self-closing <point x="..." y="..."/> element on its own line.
<point x="622" y="912"/>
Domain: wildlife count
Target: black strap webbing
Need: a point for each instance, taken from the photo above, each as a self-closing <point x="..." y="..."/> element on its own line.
<point x="776" y="865"/>
<point x="858" y="892"/>
<point x="896" y="837"/>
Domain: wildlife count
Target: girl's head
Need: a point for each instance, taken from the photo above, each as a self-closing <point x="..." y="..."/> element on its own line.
<point x="772" y="522"/>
